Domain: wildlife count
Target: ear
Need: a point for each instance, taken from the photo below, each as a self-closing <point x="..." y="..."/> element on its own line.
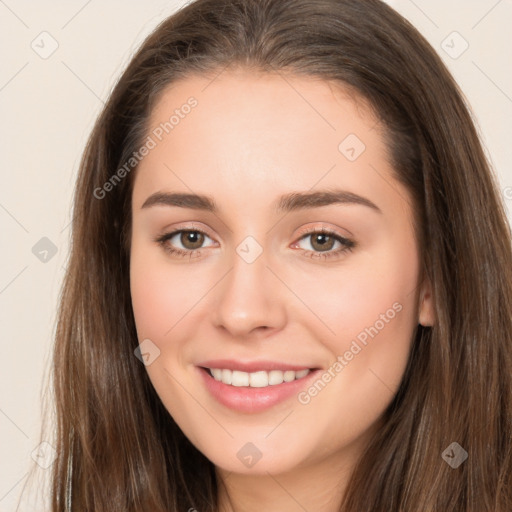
<point x="426" y="311"/>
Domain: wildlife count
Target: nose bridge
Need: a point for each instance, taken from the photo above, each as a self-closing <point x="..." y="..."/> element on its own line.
<point x="248" y="297"/>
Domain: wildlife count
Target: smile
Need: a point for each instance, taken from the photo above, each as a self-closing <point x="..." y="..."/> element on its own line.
<point x="253" y="387"/>
<point x="260" y="379"/>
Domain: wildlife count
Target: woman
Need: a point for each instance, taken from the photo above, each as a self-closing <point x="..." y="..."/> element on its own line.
<point x="290" y="281"/>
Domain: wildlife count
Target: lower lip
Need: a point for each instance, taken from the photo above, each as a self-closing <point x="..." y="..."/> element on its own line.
<point x="251" y="400"/>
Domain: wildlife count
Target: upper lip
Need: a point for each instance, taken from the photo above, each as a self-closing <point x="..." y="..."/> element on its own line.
<point x="252" y="366"/>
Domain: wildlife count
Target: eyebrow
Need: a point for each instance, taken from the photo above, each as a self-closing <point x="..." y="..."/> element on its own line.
<point x="286" y="203"/>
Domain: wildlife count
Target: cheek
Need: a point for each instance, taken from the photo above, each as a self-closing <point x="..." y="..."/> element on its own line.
<point x="360" y="291"/>
<point x="368" y="311"/>
<point x="152" y="301"/>
<point x="162" y="293"/>
<point x="161" y="297"/>
<point x="371" y="310"/>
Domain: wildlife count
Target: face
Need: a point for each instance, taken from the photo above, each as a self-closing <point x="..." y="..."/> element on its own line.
<point x="274" y="269"/>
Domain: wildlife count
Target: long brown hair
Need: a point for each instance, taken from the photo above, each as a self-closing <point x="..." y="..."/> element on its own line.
<point x="118" y="447"/>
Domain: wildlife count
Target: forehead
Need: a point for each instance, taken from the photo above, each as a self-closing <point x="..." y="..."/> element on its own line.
<point x="269" y="105"/>
<point x="262" y="134"/>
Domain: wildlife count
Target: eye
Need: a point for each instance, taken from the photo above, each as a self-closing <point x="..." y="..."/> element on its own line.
<point x="188" y="242"/>
<point x="191" y="240"/>
<point x="322" y="242"/>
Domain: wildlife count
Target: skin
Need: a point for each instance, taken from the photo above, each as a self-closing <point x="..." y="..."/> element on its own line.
<point x="250" y="139"/>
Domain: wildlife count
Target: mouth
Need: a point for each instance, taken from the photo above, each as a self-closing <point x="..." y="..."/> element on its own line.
<point x="254" y="387"/>
<point x="258" y="379"/>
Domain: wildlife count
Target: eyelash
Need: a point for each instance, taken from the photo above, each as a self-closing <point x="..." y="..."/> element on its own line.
<point x="347" y="244"/>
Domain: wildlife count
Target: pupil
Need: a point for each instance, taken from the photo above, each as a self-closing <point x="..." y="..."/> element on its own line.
<point x="322" y="241"/>
<point x="193" y="238"/>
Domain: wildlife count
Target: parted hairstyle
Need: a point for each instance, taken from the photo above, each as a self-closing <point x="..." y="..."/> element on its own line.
<point x="119" y="450"/>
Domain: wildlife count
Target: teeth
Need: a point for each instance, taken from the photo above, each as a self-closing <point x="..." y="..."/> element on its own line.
<point x="275" y="377"/>
<point x="259" y="379"/>
<point x="301" y="373"/>
<point x="226" y="376"/>
<point x="217" y="374"/>
<point x="288" y="376"/>
<point x="238" y="378"/>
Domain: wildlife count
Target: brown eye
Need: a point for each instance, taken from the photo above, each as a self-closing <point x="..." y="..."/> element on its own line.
<point x="324" y="244"/>
<point x="183" y="242"/>
<point x="322" y="241"/>
<point x="192" y="239"/>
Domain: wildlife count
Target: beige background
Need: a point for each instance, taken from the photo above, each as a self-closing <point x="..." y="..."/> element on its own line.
<point x="48" y="105"/>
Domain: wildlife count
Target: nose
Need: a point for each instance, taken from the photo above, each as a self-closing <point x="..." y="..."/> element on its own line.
<point x="250" y="299"/>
